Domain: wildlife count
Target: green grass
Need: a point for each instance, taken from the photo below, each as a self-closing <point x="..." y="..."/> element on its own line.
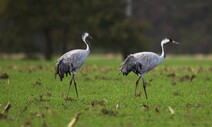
<point x="106" y="99"/>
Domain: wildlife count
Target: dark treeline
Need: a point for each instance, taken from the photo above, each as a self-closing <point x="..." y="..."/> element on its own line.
<point x="52" y="26"/>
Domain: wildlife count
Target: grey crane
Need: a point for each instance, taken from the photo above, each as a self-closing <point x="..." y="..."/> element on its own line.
<point x="143" y="62"/>
<point x="70" y="62"/>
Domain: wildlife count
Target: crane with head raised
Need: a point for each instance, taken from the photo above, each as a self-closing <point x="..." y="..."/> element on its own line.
<point x="70" y="62"/>
<point x="143" y="62"/>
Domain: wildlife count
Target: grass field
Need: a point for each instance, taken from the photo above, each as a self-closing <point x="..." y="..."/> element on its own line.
<point x="179" y="91"/>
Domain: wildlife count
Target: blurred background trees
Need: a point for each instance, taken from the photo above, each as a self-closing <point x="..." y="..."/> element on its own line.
<point x="120" y="26"/>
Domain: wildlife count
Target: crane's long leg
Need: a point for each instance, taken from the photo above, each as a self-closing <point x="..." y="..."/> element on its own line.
<point x="136" y="84"/>
<point x="70" y="85"/>
<point x="75" y="85"/>
<point x="144" y="86"/>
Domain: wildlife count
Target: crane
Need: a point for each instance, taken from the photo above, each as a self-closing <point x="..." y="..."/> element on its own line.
<point x="143" y="62"/>
<point x="70" y="62"/>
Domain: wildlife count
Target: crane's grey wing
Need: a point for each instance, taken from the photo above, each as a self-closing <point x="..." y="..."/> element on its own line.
<point x="148" y="60"/>
<point x="130" y="64"/>
<point x="62" y="68"/>
<point x="77" y="59"/>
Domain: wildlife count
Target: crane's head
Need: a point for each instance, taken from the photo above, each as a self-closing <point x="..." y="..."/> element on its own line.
<point x="86" y="35"/>
<point x="168" y="40"/>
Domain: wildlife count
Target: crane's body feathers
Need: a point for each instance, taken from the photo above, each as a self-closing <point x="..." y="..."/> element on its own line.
<point x="140" y="63"/>
<point x="70" y="62"/>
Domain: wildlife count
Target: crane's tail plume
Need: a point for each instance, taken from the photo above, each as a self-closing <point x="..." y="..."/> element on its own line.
<point x="130" y="64"/>
<point x="61" y="69"/>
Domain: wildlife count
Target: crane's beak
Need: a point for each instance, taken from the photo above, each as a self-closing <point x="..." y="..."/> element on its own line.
<point x="174" y="42"/>
<point x="90" y="37"/>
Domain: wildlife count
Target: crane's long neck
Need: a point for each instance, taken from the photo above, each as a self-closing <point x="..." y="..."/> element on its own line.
<point x="87" y="44"/>
<point x="163" y="54"/>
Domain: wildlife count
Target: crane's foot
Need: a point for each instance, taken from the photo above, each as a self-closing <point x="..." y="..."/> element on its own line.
<point x="69" y="99"/>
